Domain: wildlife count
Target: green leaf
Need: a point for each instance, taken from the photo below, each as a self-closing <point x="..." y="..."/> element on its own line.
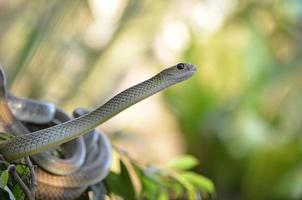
<point x="18" y="193"/>
<point x="201" y="182"/>
<point x="150" y="188"/>
<point x="4" y="178"/>
<point x="22" y="170"/>
<point x="184" y="162"/>
<point x="187" y="185"/>
<point x="121" y="184"/>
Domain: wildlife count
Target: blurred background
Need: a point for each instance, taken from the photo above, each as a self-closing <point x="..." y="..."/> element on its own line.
<point x="240" y="115"/>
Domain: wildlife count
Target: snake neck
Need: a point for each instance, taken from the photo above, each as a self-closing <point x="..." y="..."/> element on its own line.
<point x="117" y="104"/>
<point x="127" y="98"/>
<point x="54" y="136"/>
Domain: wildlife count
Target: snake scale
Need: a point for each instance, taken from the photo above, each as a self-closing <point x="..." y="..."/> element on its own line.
<point x="41" y="140"/>
<point x="95" y="161"/>
<point x="39" y="113"/>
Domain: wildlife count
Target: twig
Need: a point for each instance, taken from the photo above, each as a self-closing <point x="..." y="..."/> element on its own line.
<point x="12" y="169"/>
<point x="26" y="190"/>
<point x="33" y="183"/>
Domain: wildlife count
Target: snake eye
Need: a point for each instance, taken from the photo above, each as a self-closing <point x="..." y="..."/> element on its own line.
<point x="180" y="66"/>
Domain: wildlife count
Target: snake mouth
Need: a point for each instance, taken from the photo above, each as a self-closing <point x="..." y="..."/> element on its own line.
<point x="191" y="69"/>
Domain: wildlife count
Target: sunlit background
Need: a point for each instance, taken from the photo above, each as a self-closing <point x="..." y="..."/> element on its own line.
<point x="240" y="114"/>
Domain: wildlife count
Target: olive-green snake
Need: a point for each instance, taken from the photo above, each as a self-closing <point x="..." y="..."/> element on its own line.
<point x="95" y="168"/>
<point x="41" y="140"/>
<point x="28" y="110"/>
<point x="85" y="161"/>
<point x="38" y="113"/>
<point x="38" y="141"/>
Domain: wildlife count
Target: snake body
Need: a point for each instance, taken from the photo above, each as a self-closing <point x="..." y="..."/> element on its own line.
<point x="15" y="109"/>
<point x="28" y="110"/>
<point x="94" y="169"/>
<point x="54" y="186"/>
<point x="75" y="151"/>
<point x="35" y="142"/>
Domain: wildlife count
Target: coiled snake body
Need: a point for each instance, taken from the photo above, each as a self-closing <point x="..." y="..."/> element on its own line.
<point x="35" y="142"/>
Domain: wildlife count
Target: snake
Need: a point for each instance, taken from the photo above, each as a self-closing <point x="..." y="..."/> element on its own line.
<point x="35" y="142"/>
<point x="97" y="158"/>
<point x="31" y="143"/>
<point x="95" y="168"/>
<point x="28" y="110"/>
<point x="15" y="109"/>
<point x="23" y="109"/>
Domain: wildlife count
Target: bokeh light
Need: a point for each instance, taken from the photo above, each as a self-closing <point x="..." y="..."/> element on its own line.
<point x="239" y="115"/>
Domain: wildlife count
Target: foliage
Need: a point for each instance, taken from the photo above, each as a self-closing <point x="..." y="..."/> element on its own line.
<point x="9" y="189"/>
<point x="134" y="181"/>
<point x="240" y="115"/>
<point x="172" y="181"/>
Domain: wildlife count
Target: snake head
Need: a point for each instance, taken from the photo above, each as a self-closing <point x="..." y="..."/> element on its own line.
<point x="178" y="73"/>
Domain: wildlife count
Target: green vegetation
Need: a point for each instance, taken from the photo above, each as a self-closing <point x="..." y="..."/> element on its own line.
<point x="132" y="181"/>
<point x="239" y="117"/>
